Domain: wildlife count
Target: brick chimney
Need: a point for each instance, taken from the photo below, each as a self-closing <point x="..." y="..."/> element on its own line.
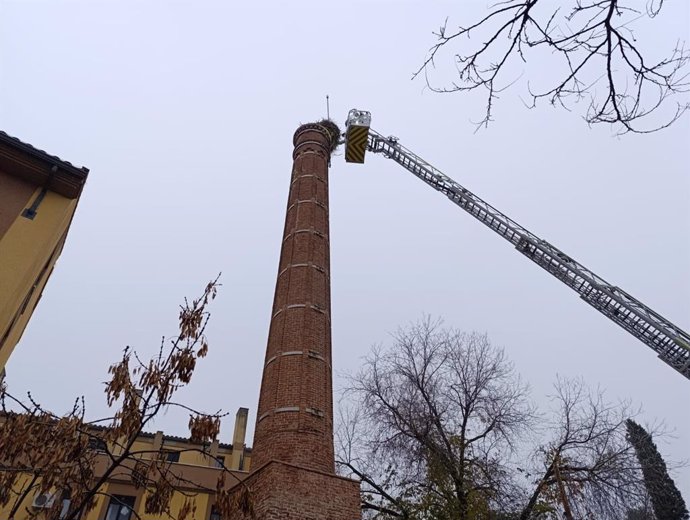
<point x="293" y="469"/>
<point x="295" y="414"/>
<point x="238" y="446"/>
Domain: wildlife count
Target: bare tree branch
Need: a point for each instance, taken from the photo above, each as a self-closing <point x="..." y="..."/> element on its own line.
<point x="439" y="415"/>
<point x="61" y="453"/>
<point x="597" y="59"/>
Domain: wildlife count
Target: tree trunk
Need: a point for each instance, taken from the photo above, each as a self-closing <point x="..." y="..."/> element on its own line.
<point x="564" y="499"/>
<point x="21" y="498"/>
<point x="527" y="511"/>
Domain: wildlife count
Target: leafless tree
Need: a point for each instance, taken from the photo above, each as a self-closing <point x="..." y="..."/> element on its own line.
<point x="45" y="452"/>
<point x="440" y="415"/>
<point x="587" y="469"/>
<point x="590" y="50"/>
<point x="438" y="426"/>
<point x="384" y="490"/>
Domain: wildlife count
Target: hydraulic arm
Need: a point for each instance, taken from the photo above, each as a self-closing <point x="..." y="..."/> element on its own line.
<point x="669" y="341"/>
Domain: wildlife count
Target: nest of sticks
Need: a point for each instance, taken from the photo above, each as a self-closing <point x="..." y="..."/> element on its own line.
<point x="333" y="131"/>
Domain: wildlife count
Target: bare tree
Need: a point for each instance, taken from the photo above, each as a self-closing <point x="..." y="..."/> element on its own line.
<point x="438" y="426"/>
<point x="592" y="55"/>
<point x="587" y="469"/>
<point x="440" y="415"/>
<point x="384" y="490"/>
<point x="42" y="452"/>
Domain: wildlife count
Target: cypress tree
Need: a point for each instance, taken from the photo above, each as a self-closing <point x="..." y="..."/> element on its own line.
<point x="667" y="502"/>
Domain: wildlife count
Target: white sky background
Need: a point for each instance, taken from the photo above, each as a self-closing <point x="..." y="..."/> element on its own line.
<point x="184" y="112"/>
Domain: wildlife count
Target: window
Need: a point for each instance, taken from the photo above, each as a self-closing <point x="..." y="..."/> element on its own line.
<point x="219" y="462"/>
<point x="97" y="444"/>
<point x="65" y="508"/>
<point x="170" y="456"/>
<point x="66" y="502"/>
<point x="215" y="514"/>
<point x="241" y="461"/>
<point x="120" y="508"/>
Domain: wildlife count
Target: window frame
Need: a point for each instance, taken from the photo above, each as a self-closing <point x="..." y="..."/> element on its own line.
<point x="120" y="502"/>
<point x="170" y="456"/>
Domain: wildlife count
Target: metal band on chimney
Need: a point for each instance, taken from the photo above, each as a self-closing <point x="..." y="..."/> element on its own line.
<point x="285" y="409"/>
<point x="294" y="180"/>
<point x="314" y="266"/>
<point x="306" y="201"/>
<point x="312" y="231"/>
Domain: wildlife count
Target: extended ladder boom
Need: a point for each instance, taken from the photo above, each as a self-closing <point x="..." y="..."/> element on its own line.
<point x="670" y="342"/>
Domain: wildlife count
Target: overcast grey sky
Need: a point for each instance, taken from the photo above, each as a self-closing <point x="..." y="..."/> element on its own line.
<point x="184" y="112"/>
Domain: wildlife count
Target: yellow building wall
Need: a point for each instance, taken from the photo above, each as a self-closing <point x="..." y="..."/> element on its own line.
<point x="201" y="499"/>
<point x="192" y="458"/>
<point x="195" y="463"/>
<point x="28" y="251"/>
<point x="22" y="482"/>
<point x="188" y="455"/>
<point x="25" y="511"/>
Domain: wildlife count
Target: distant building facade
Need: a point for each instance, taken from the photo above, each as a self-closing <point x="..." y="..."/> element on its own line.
<point x="197" y="466"/>
<point x="38" y="197"/>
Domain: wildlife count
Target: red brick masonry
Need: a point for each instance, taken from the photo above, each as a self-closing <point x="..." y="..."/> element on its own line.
<point x="295" y="414"/>
<point x="283" y="491"/>
<point x="294" y="475"/>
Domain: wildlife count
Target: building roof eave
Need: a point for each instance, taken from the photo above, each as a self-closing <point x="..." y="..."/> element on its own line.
<point x="23" y="160"/>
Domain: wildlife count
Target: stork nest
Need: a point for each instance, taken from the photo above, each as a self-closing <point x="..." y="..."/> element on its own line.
<point x="333" y="132"/>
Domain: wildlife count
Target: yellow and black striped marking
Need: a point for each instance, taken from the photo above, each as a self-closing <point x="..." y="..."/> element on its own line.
<point x="356" y="143"/>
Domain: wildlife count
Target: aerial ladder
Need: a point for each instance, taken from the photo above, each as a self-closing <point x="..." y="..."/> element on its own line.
<point x="670" y="342"/>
